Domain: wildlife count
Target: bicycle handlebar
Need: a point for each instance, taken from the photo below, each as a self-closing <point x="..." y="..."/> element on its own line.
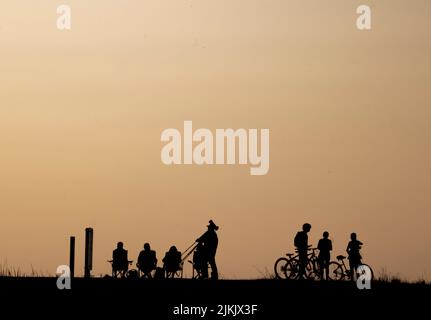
<point x="308" y="249"/>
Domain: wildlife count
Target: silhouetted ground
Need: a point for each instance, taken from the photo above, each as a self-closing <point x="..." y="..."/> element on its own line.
<point x="102" y="297"/>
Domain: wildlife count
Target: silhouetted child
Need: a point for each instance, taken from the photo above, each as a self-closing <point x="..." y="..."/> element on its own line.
<point x="199" y="259"/>
<point x="325" y="248"/>
<point x="355" y="257"/>
<point x="172" y="262"/>
<point x="147" y="261"/>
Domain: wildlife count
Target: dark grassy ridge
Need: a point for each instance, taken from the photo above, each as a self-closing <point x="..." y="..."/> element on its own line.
<point x="274" y="298"/>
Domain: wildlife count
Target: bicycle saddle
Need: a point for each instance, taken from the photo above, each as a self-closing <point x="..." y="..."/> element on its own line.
<point x="289" y="255"/>
<point x="341" y="257"/>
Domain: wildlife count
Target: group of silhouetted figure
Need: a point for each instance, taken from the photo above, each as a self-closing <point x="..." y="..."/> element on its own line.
<point x="325" y="247"/>
<point x="204" y="251"/>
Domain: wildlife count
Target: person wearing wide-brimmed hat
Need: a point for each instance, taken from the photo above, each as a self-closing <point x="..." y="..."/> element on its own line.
<point x="210" y="242"/>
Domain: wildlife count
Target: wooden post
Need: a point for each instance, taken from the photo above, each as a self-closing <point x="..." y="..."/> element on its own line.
<point x="88" y="252"/>
<point x="72" y="257"/>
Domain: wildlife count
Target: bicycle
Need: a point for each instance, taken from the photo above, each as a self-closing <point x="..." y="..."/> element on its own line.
<point x="339" y="271"/>
<point x="288" y="268"/>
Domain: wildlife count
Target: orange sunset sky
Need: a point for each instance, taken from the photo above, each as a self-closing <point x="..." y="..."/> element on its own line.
<point x="82" y="111"/>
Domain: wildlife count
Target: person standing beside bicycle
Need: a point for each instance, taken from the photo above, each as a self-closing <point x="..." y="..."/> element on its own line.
<point x="301" y="244"/>
<point x="325" y="247"/>
<point x="355" y="257"/>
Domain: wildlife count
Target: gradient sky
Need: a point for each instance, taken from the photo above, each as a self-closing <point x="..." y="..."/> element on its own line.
<point x="81" y="113"/>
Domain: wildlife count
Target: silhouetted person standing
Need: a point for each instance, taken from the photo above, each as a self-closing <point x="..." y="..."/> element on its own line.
<point x="355" y="257"/>
<point x="120" y="262"/>
<point x="209" y="240"/>
<point x="147" y="261"/>
<point x="301" y="243"/>
<point x="325" y="248"/>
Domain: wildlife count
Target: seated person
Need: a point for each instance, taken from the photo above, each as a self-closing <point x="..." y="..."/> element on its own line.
<point x="120" y="263"/>
<point x="147" y="261"/>
<point x="172" y="261"/>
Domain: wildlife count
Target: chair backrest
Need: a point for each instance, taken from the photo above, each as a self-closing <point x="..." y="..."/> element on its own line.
<point x="172" y="261"/>
<point x="120" y="260"/>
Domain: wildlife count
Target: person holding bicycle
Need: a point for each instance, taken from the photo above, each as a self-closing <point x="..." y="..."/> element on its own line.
<point x="325" y="247"/>
<point x="301" y="244"/>
<point x="355" y="257"/>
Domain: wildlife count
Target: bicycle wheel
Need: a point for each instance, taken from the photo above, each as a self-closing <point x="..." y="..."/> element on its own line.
<point x="292" y="269"/>
<point x="281" y="267"/>
<point x="312" y="270"/>
<point x="335" y="271"/>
